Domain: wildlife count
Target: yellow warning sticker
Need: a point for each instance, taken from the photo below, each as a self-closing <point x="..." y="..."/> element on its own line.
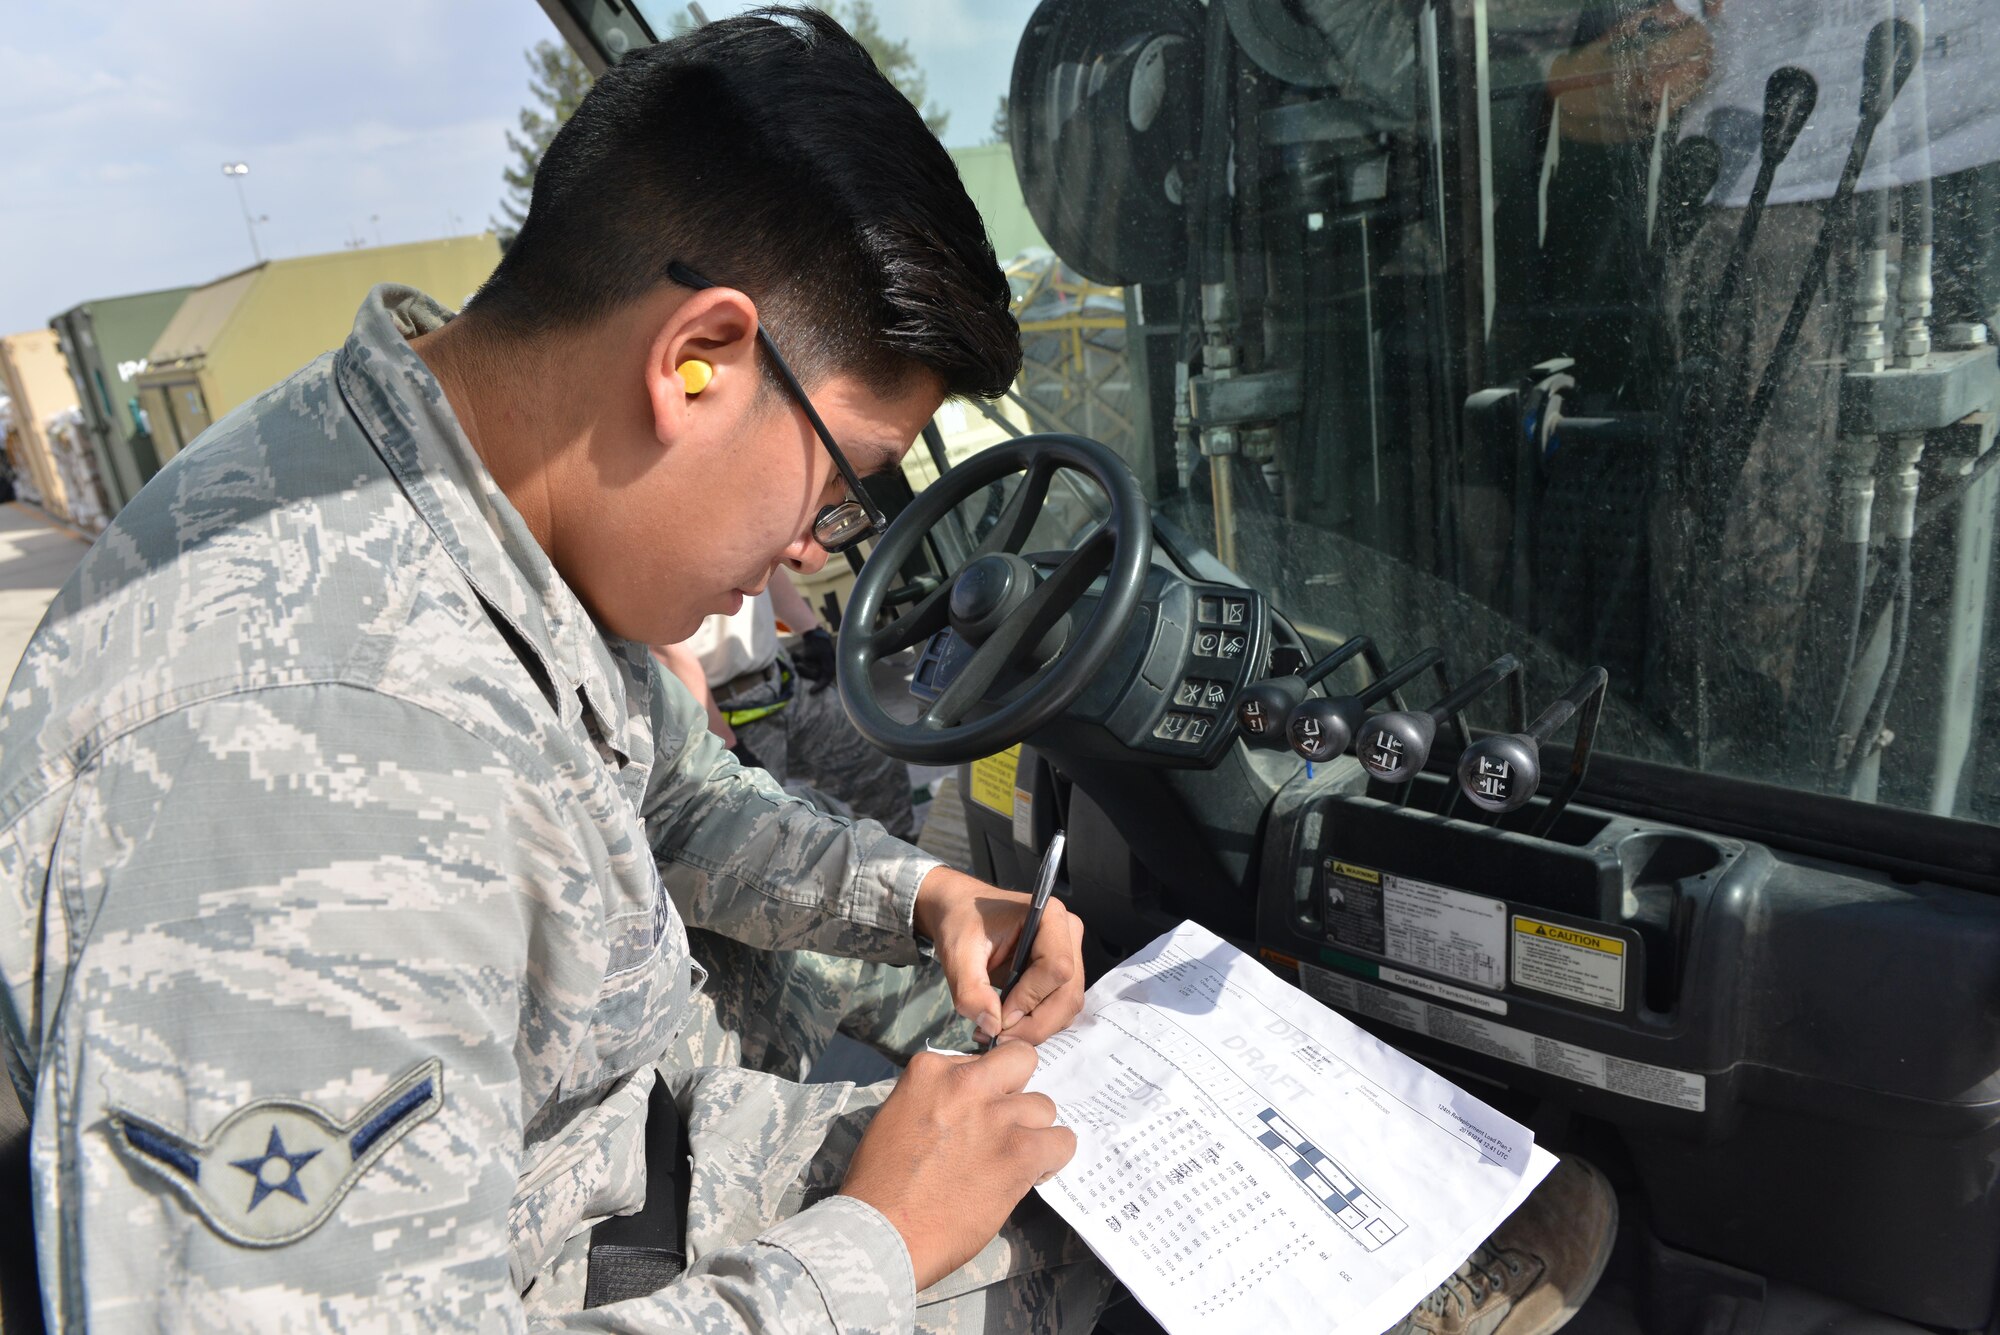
<point x="1368" y="874"/>
<point x="1610" y="945"/>
<point x="993" y="781"/>
<point x="1565" y="962"/>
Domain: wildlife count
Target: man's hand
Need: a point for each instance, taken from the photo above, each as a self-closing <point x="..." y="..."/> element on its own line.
<point x="974" y="927"/>
<point x="814" y="656"/>
<point x="1612" y="88"/>
<point x="954" y="1149"/>
<point x="814" y="659"/>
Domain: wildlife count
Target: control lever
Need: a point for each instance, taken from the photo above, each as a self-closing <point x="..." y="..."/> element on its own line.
<point x="919" y="588"/>
<point x="1885" y="67"/>
<point x="1395" y="745"/>
<point x="1790" y="95"/>
<point x="1687" y="178"/>
<point x="1263" y="706"/>
<point x="1503" y="772"/>
<point x="1319" y="729"/>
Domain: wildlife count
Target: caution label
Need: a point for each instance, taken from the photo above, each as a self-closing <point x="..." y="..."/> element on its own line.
<point x="1355" y="870"/>
<point x="992" y="783"/>
<point x="1565" y="962"/>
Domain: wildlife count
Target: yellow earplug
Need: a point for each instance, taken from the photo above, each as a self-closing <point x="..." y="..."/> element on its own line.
<point x="695" y="374"/>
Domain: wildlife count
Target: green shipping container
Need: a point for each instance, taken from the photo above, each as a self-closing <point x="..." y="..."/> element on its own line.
<point x="106" y="343"/>
<point x="236" y="337"/>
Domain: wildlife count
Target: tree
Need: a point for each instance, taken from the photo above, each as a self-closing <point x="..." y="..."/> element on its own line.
<point x="893" y="58"/>
<point x="998" y="134"/>
<point x="557" y="81"/>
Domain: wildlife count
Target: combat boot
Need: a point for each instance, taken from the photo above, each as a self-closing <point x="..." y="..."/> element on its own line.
<point x="1536" y="1270"/>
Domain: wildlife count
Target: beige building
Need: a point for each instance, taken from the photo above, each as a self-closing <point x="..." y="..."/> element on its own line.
<point x="988" y="173"/>
<point x="239" y="335"/>
<point x="34" y="375"/>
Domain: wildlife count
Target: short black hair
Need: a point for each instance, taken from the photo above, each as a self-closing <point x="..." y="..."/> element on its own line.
<point x="766" y="152"/>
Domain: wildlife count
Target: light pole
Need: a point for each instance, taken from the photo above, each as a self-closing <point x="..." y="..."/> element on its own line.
<point x="236" y="171"/>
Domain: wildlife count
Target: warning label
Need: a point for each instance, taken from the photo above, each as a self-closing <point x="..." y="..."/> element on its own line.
<point x="1426" y="926"/>
<point x="1024" y="818"/>
<point x="1599" y="1070"/>
<point x="993" y="781"/>
<point x="1565" y="962"/>
<point x="1353" y="906"/>
<point x="1445" y="931"/>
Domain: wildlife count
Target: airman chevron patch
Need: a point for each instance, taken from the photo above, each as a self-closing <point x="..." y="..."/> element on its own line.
<point x="272" y="1171"/>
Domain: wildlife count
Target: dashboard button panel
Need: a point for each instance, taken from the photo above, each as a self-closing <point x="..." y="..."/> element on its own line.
<point x="1216" y="652"/>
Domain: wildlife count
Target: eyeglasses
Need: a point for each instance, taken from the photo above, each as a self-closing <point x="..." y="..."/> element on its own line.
<point x="843" y="524"/>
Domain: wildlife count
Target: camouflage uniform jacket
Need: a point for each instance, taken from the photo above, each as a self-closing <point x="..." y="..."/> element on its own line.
<point x="337" y="958"/>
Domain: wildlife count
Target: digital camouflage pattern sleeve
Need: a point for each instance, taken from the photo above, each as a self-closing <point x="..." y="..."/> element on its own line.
<point x="402" y="905"/>
<point x="744" y="858"/>
<point x="335" y="946"/>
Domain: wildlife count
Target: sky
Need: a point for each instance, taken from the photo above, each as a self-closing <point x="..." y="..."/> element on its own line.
<point x="381" y="121"/>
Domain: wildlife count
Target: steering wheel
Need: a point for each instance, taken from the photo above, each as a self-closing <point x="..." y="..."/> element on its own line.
<point x="1015" y="620"/>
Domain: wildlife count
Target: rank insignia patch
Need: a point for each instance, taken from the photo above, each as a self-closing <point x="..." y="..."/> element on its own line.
<point x="272" y="1171"/>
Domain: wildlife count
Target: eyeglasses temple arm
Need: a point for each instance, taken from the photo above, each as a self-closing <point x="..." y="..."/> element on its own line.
<point x="687" y="277"/>
<point x="847" y="473"/>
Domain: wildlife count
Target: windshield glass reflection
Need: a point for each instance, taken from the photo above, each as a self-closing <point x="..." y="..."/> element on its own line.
<point x="1644" y="335"/>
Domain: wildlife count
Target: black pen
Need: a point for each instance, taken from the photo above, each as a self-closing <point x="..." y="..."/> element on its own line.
<point x="1045" y="884"/>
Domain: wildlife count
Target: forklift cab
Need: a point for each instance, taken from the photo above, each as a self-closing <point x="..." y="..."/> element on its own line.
<point x="1630" y="355"/>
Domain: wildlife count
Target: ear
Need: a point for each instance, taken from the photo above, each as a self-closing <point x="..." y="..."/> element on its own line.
<point x="716" y="326"/>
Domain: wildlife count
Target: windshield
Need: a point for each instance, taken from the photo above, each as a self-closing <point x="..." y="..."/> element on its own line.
<point x="1652" y="336"/>
<point x="1649" y="336"/>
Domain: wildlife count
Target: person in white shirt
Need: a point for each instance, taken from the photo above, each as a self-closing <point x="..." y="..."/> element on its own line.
<point x="776" y="709"/>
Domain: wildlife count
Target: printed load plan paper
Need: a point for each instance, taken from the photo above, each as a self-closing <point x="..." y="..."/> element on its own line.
<point x="1247" y="1160"/>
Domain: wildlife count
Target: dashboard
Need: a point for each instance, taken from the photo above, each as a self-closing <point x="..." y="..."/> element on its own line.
<point x="1722" y="1009"/>
<point x="1166" y="695"/>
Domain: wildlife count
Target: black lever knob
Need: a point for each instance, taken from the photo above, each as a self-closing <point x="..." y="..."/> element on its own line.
<point x="1263" y="706"/>
<point x="1886" y="65"/>
<point x="1502" y="773"/>
<point x="1395" y="745"/>
<point x="1320" y="729"/>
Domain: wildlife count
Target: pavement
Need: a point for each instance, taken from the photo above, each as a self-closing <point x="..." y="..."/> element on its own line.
<point x="36" y="556"/>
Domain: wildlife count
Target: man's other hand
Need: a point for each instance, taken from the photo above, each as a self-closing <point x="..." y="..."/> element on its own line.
<point x="1612" y="88"/>
<point x="953" y="1150"/>
<point x="814" y="660"/>
<point x="974" y="927"/>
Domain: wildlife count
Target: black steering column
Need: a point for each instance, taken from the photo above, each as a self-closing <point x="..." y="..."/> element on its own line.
<point x="1029" y="656"/>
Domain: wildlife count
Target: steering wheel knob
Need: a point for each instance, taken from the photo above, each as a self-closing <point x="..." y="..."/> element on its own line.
<point x="987" y="592"/>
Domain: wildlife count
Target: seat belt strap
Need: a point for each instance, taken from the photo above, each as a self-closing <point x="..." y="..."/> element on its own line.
<point x="636" y="1254"/>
